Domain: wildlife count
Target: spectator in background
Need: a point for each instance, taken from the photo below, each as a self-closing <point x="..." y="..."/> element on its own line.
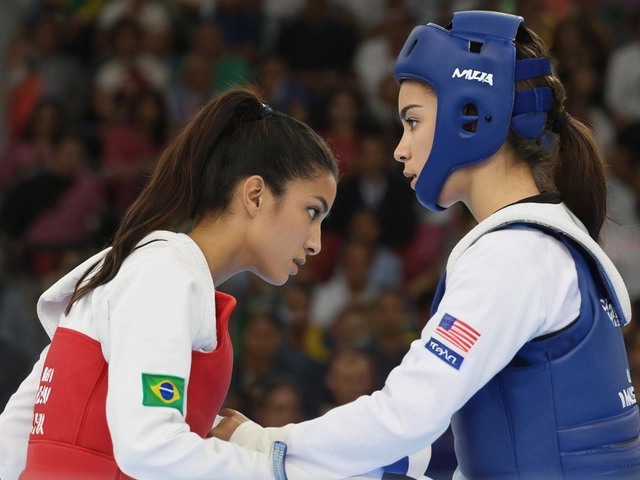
<point x="278" y="404"/>
<point x="276" y="13"/>
<point x="152" y="16"/>
<point x="20" y="330"/>
<point x="386" y="269"/>
<point x="384" y="108"/>
<point x="318" y="47"/>
<point x="366" y="15"/>
<point x="23" y="85"/>
<point x="621" y="232"/>
<point x="379" y="189"/>
<point x="433" y="244"/>
<point x="57" y="208"/>
<point x="375" y="57"/>
<point x="207" y="40"/>
<point x="193" y="9"/>
<point x="584" y="102"/>
<point x="279" y="90"/>
<point x="622" y="78"/>
<point x="350" y="284"/>
<point x="351" y="328"/>
<point x="265" y="357"/>
<point x="581" y="39"/>
<point x="351" y="374"/>
<point x="28" y="155"/>
<point x="344" y="115"/>
<point x="387" y="266"/>
<point x="299" y="332"/>
<point x="191" y="91"/>
<point x="392" y="332"/>
<point x="77" y="19"/>
<point x="241" y="29"/>
<point x="126" y="73"/>
<point x="62" y="77"/>
<point x="13" y="372"/>
<point x="130" y="150"/>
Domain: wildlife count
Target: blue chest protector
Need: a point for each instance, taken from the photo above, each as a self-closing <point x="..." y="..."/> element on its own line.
<point x="564" y="407"/>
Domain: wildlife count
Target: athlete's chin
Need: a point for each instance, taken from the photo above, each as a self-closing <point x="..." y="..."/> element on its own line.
<point x="277" y="279"/>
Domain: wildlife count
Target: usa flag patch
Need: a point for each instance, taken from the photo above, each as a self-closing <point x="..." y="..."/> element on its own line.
<point x="457" y="333"/>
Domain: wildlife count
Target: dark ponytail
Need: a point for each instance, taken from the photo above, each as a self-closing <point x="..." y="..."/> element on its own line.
<point x="573" y="167"/>
<point x="578" y="174"/>
<point x="234" y="136"/>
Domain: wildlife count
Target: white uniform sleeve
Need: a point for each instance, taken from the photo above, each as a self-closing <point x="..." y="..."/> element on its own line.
<point x="15" y="423"/>
<point x="151" y="311"/>
<point x="497" y="288"/>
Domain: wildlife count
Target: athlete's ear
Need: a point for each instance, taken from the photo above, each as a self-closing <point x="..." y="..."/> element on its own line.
<point x="253" y="191"/>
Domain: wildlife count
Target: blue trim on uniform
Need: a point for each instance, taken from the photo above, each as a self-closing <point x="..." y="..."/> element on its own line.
<point x="279" y="453"/>
<point x="400" y="467"/>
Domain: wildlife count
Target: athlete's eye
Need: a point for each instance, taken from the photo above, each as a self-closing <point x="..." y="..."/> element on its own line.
<point x="313" y="212"/>
<point x="411" y="123"/>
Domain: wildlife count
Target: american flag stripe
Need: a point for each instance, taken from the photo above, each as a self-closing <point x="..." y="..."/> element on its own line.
<point x="461" y="337"/>
<point x="453" y="339"/>
<point x="470" y="330"/>
<point x="457" y="332"/>
<point x="463" y="334"/>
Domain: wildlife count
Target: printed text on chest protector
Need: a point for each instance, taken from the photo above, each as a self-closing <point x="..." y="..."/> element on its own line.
<point x="627" y="397"/>
<point x="42" y="396"/>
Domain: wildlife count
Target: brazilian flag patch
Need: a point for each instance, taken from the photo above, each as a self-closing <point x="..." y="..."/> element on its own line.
<point x="163" y="391"/>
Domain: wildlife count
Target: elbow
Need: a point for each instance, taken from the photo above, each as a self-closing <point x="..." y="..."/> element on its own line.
<point x="135" y="459"/>
<point x="129" y="462"/>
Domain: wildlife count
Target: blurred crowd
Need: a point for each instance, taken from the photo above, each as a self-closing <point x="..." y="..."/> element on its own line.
<point x="91" y="90"/>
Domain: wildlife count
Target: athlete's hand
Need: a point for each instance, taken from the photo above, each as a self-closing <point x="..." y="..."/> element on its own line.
<point x="232" y="420"/>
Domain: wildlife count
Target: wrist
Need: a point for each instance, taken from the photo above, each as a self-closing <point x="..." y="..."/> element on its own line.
<point x="247" y="435"/>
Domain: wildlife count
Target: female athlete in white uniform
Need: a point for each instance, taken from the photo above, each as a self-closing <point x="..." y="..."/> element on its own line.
<point x="140" y="358"/>
<point x="523" y="353"/>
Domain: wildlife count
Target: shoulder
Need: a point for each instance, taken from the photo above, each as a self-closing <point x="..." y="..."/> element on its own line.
<point x="525" y="264"/>
<point x="515" y="262"/>
<point x="165" y="257"/>
<point x="522" y="248"/>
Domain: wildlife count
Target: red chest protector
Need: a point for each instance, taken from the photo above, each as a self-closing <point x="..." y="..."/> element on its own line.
<point x="70" y="438"/>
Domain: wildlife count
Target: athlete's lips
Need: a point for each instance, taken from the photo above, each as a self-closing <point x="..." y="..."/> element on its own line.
<point x="297" y="262"/>
<point x="413" y="177"/>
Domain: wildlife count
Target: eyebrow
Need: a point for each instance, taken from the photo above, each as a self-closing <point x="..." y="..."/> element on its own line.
<point x="325" y="205"/>
<point x="403" y="112"/>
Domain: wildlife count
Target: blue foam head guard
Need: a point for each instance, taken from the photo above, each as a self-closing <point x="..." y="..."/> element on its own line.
<point x="472" y="64"/>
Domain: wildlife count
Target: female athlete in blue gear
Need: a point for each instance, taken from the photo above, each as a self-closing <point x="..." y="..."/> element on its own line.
<point x="523" y="354"/>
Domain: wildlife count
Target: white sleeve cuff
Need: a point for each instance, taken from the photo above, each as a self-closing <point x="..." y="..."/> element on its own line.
<point x="248" y="436"/>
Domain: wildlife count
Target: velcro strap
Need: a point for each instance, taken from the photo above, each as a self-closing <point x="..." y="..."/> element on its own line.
<point x="534" y="100"/>
<point x="531" y="68"/>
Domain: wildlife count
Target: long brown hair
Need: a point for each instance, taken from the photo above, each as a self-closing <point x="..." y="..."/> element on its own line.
<point x="233" y="137"/>
<point x="573" y="167"/>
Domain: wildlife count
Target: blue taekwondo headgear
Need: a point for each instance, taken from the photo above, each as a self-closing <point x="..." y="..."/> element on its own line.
<point x="473" y="63"/>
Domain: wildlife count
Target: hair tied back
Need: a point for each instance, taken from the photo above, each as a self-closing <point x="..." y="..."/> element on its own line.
<point x="560" y="121"/>
<point x="267" y="111"/>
